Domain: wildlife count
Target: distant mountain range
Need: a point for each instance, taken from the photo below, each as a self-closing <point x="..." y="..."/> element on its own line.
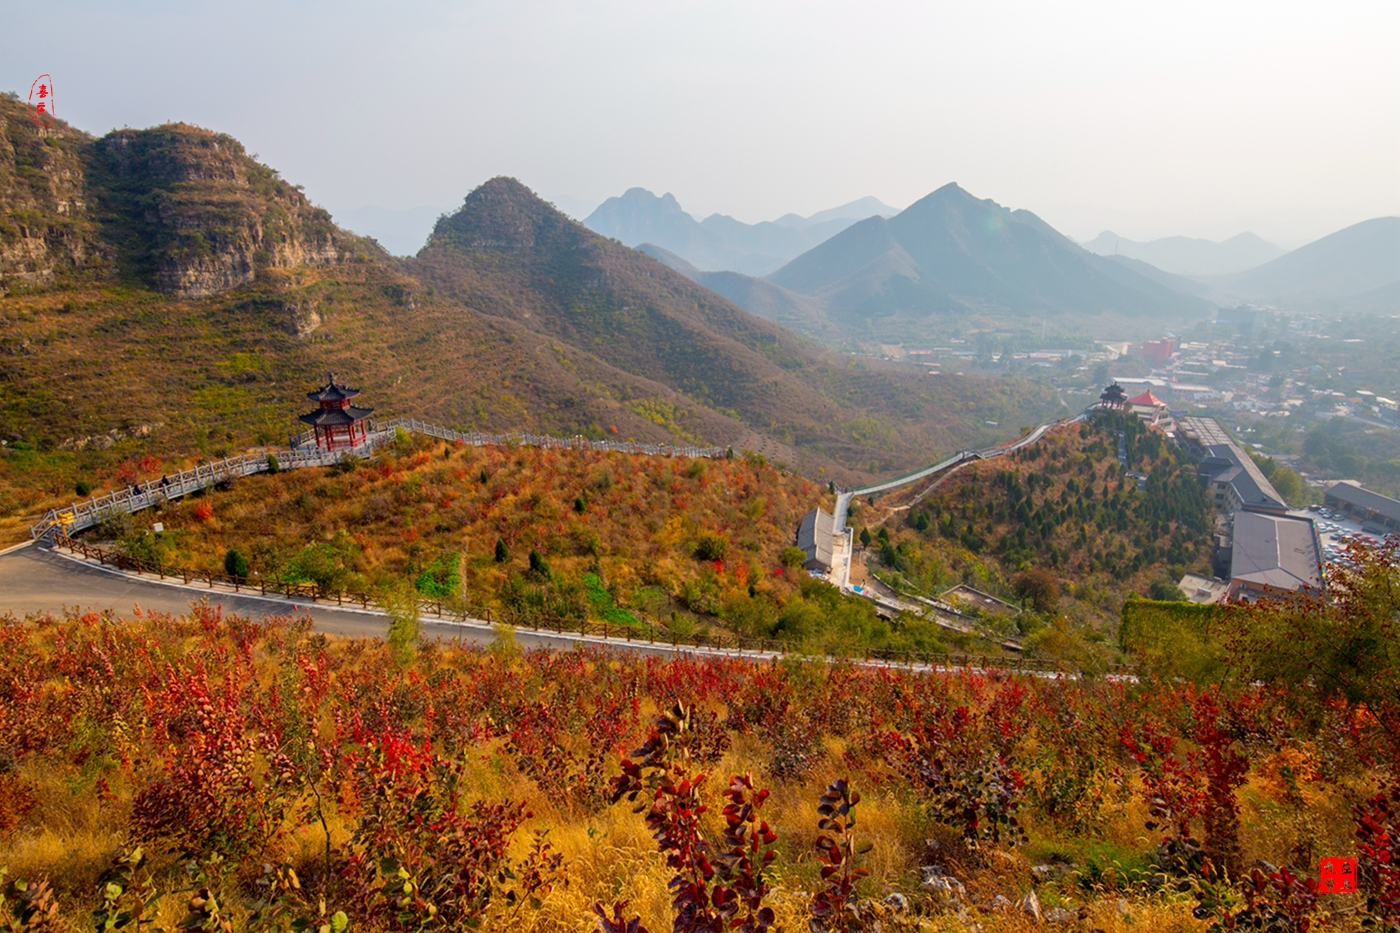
<point x="720" y="242"/>
<point x="952" y="261"/>
<point x="1181" y="255"/>
<point x="951" y="255"/>
<point x="1354" y="269"/>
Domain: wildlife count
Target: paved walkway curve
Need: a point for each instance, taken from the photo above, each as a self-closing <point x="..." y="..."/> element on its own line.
<point x="38" y="579"/>
<point x="35" y="579"/>
<point x="843" y="499"/>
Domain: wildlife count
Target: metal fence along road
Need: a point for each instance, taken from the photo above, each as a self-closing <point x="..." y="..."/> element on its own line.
<point x="588" y="631"/>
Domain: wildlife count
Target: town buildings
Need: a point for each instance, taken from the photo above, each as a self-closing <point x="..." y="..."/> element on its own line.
<point x="1259" y="547"/>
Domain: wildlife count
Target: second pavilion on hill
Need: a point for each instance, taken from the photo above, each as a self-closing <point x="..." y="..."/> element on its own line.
<point x="337" y="423"/>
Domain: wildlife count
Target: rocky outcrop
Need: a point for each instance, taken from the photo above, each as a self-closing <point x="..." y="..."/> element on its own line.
<point x="44" y="225"/>
<point x="185" y="207"/>
<point x="200" y="216"/>
<point x="103" y="441"/>
<point x="302" y="315"/>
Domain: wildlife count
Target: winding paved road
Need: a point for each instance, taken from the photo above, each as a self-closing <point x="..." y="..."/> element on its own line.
<point x="35" y="579"/>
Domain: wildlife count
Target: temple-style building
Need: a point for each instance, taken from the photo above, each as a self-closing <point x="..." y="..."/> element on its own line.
<point x="1114" y="398"/>
<point x="1151" y="409"/>
<point x="337" y="423"/>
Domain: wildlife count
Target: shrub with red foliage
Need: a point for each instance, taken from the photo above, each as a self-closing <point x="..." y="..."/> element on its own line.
<point x="1378" y="840"/>
<point x="707" y="895"/>
<point x="834" y="908"/>
<point x="965" y="784"/>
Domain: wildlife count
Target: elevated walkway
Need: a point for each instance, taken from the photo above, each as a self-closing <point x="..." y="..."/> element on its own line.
<point x="841" y="574"/>
<point x="303" y="452"/>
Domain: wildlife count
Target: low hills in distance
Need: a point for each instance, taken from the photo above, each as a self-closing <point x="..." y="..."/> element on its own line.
<point x="951" y="262"/>
<point x="1188" y="256"/>
<point x="1354" y="269"/>
<point x="720" y="242"/>
<point x="134" y="339"/>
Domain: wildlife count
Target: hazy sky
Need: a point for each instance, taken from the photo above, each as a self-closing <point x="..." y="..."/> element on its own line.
<point x="1196" y="118"/>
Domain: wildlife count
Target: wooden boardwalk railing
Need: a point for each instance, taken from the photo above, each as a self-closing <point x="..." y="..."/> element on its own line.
<point x="81" y="516"/>
<point x="577" y="442"/>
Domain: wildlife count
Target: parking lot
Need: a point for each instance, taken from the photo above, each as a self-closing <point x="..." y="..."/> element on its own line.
<point x="1335" y="532"/>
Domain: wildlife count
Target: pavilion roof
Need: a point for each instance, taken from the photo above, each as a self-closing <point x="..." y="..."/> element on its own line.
<point x="332" y="391"/>
<point x="332" y="417"/>
<point x="1147" y="398"/>
<point x="1113" y="393"/>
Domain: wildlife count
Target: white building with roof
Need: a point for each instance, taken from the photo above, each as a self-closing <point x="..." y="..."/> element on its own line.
<point x="814" y="536"/>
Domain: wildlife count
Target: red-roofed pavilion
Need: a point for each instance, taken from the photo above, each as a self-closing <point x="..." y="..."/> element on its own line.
<point x="1147" y="398"/>
<point x="337" y="423"/>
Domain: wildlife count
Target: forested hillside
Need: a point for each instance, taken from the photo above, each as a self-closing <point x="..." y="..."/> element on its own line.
<point x="1063" y="512"/>
<point x="165" y="297"/>
<point x="534" y="536"/>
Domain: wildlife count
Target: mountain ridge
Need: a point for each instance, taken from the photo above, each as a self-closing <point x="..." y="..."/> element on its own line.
<point x="952" y="256"/>
<point x="1361" y="258"/>
<point x="108" y="364"/>
<point x="1189" y="256"/>
<point x="506" y="253"/>
<point x="719" y="242"/>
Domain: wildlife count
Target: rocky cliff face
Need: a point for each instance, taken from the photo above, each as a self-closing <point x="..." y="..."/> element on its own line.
<point x="199" y="216"/>
<point x="185" y="208"/>
<point x="45" y="229"/>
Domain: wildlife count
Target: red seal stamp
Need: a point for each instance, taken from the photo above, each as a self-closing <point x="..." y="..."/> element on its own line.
<point x="1336" y="876"/>
<point x="41" y="100"/>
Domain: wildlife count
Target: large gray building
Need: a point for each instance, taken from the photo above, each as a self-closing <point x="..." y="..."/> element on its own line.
<point x="1271" y="554"/>
<point x="1234" y="481"/>
<point x="1260" y="548"/>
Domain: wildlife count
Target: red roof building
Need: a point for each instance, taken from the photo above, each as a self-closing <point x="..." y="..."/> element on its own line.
<point x="1148" y="399"/>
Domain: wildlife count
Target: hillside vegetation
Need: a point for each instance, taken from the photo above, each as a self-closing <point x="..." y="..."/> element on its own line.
<point x="164" y="297"/>
<point x="536" y="536"/>
<point x="1063" y="513"/>
<point x="211" y="772"/>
